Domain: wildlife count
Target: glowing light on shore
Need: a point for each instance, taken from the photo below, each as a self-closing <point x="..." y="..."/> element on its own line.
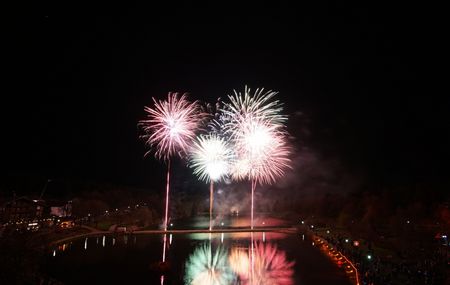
<point x="206" y="266"/>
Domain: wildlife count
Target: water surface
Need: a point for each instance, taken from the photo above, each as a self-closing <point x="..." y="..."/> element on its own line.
<point x="202" y="258"/>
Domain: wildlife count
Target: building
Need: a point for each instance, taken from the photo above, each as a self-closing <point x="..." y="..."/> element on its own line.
<point x="22" y="209"/>
<point x="61" y="211"/>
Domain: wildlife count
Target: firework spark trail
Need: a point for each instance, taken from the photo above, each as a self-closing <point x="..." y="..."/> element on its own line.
<point x="255" y="125"/>
<point x="210" y="157"/>
<point x="268" y="155"/>
<point x="206" y="266"/>
<point x="169" y="128"/>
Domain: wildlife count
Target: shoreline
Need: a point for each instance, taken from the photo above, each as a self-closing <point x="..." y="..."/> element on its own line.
<point x="96" y="232"/>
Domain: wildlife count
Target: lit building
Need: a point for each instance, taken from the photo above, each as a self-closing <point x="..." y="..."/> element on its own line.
<point x="61" y="211"/>
<point x="22" y="209"/>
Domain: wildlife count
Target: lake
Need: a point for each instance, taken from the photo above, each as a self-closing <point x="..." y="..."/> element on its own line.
<point x="198" y="258"/>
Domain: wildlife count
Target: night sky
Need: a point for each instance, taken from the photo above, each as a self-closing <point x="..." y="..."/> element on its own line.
<point x="355" y="81"/>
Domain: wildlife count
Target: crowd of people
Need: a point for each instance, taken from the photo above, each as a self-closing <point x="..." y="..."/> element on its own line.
<point x="375" y="269"/>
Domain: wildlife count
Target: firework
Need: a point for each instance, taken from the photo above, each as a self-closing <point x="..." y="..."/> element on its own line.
<point x="169" y="128"/>
<point x="248" y="106"/>
<point x="207" y="267"/>
<point x="255" y="125"/>
<point x="171" y="125"/>
<point x="210" y="158"/>
<point x="263" y="152"/>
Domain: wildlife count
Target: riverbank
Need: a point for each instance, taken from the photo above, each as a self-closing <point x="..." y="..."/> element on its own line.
<point x="381" y="265"/>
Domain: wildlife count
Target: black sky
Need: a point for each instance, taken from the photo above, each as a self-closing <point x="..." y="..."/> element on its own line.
<point x="80" y="75"/>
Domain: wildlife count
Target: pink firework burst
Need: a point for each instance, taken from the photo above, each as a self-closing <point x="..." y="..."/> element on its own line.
<point x="255" y="126"/>
<point x="171" y="125"/>
<point x="170" y="128"/>
<point x="262" y="150"/>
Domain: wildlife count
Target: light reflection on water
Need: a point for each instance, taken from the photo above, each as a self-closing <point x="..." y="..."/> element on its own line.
<point x="238" y="236"/>
<point x="197" y="258"/>
<point x="224" y="263"/>
<point x="262" y="263"/>
<point x="240" y="263"/>
<point x="209" y="266"/>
